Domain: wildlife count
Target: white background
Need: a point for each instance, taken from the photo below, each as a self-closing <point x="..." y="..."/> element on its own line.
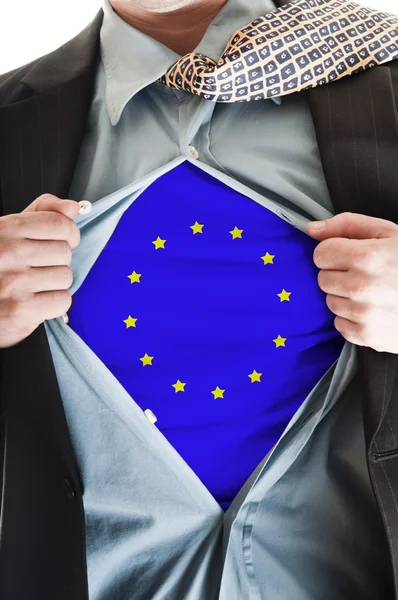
<point x="31" y="28"/>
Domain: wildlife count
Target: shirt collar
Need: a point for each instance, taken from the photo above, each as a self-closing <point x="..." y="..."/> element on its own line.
<point x="132" y="60"/>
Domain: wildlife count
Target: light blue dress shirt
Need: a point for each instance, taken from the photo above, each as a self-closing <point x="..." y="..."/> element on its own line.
<point x="305" y="525"/>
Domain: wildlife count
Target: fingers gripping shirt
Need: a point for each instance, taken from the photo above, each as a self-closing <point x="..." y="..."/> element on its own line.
<point x="207" y="310"/>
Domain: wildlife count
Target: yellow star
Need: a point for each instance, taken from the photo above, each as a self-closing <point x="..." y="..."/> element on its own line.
<point x="147" y="360"/>
<point x="159" y="243"/>
<point x="197" y="228"/>
<point x="179" y="386"/>
<point x="284" y="295"/>
<point x="255" y="376"/>
<point x="267" y="258"/>
<point x="134" y="277"/>
<point x="130" y="322"/>
<point x="217" y="393"/>
<point x="280" y="341"/>
<point x="236" y="233"/>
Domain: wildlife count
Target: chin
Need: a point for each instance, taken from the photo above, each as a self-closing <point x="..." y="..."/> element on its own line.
<point x="160" y="6"/>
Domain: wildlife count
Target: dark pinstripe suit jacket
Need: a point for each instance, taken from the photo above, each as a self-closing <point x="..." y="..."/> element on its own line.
<point x="43" y="110"/>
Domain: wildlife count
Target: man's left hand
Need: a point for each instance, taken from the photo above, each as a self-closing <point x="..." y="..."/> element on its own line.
<point x="358" y="258"/>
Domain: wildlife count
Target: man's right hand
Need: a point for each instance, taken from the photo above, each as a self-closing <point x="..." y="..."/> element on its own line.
<point x="35" y="251"/>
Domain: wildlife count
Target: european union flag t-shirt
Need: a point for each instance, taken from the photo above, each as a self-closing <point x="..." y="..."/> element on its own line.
<point x="208" y="311"/>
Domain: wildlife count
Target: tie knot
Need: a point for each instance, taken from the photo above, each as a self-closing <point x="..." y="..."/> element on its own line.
<point x="190" y="71"/>
<point x="298" y="46"/>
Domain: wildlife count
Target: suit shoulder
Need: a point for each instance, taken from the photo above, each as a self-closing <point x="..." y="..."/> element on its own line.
<point x="11" y="88"/>
<point x="79" y="51"/>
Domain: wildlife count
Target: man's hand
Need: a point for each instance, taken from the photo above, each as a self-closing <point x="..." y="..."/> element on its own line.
<point x="35" y="253"/>
<point x="358" y="258"/>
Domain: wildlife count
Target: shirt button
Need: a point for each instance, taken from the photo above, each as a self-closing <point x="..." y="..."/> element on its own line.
<point x="85" y="207"/>
<point x="65" y="318"/>
<point x="193" y="152"/>
<point x="151" y="417"/>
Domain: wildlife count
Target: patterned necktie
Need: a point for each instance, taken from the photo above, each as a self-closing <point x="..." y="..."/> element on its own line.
<point x="301" y="45"/>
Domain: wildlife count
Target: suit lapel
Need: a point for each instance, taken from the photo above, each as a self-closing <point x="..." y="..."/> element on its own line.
<point x="41" y="136"/>
<point x="356" y="126"/>
<point x="40" y="139"/>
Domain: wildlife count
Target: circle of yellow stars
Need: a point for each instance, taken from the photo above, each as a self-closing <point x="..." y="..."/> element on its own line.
<point x="159" y="243"/>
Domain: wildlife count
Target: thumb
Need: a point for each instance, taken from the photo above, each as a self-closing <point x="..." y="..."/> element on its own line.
<point x="69" y="208"/>
<point x="352" y="226"/>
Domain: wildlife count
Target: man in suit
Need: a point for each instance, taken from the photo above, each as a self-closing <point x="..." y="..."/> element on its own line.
<point x="155" y="443"/>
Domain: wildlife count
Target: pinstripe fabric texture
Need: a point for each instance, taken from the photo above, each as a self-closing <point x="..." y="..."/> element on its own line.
<point x="40" y="136"/>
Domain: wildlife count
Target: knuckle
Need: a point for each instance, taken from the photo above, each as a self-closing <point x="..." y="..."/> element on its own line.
<point x="69" y="300"/>
<point x="363" y="333"/>
<point x="65" y="301"/>
<point x="66" y="252"/>
<point x="41" y="202"/>
<point x="366" y="326"/>
<point x="360" y="311"/>
<point x="339" y="325"/>
<point x="16" y="308"/>
<point x="67" y="275"/>
<point x="52" y="304"/>
<point x="46" y="196"/>
<point x="59" y="221"/>
<point x="77" y="232"/>
<point x="9" y="284"/>
<point x="317" y="256"/>
<point x="368" y="260"/>
<point x="8" y="252"/>
<point x="330" y="302"/>
<point x="322" y="279"/>
<point x="356" y="289"/>
<point x="61" y="298"/>
<point x="9" y="222"/>
<point x="323" y="251"/>
<point x="66" y="227"/>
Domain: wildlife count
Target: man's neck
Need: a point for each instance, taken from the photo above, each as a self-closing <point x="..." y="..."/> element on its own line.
<point x="180" y="30"/>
